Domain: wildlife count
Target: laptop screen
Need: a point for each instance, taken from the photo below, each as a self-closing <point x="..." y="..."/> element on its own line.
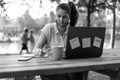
<point x="84" y="42"/>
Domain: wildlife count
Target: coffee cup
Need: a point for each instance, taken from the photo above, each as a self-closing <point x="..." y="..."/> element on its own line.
<point x="57" y="52"/>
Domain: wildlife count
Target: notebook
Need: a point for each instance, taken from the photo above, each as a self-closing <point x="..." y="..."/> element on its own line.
<point x="85" y="42"/>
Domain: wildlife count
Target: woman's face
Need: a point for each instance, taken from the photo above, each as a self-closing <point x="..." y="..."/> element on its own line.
<point x="62" y="18"/>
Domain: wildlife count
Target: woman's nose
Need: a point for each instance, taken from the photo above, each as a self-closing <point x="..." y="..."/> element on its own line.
<point x="61" y="18"/>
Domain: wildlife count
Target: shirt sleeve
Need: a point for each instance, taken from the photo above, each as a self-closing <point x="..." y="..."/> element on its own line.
<point x="46" y="31"/>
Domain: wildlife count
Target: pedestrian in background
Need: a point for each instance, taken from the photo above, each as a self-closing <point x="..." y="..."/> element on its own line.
<point x="24" y="41"/>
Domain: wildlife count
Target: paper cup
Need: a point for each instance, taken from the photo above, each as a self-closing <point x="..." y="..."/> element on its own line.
<point x="57" y="52"/>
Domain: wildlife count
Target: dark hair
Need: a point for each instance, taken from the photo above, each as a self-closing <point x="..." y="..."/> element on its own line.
<point x="71" y="10"/>
<point x="26" y="29"/>
<point x="31" y="31"/>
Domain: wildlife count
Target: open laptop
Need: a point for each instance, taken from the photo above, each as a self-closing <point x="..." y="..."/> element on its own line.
<point x="85" y="42"/>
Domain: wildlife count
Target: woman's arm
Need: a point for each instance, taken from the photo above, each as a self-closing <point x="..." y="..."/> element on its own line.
<point x="39" y="45"/>
<point x="41" y="41"/>
<point x="43" y="38"/>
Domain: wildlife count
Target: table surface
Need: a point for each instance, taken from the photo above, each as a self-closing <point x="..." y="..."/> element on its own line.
<point x="11" y="67"/>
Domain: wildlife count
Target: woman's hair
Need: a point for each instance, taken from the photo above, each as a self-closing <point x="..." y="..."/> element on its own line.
<point x="71" y="10"/>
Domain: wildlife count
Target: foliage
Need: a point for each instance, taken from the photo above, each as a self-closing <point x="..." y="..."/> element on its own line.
<point x="2" y="3"/>
<point x="55" y="0"/>
<point x="30" y="23"/>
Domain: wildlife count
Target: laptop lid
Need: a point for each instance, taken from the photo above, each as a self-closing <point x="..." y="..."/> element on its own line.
<point x="85" y="42"/>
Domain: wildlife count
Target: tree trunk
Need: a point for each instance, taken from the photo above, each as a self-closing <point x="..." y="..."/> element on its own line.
<point x="112" y="40"/>
<point x="88" y="14"/>
<point x="88" y="19"/>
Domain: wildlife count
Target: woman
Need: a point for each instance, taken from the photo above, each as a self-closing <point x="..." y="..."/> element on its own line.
<point x="56" y="34"/>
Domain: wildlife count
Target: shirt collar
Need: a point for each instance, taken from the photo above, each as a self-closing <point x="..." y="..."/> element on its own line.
<point x="56" y="29"/>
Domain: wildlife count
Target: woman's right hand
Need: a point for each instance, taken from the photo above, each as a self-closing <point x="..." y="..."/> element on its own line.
<point x="37" y="52"/>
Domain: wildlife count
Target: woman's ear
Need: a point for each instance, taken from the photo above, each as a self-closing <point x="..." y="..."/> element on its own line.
<point x="69" y="21"/>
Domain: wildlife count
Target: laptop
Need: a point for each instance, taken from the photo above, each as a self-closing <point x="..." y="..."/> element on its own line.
<point x="85" y="42"/>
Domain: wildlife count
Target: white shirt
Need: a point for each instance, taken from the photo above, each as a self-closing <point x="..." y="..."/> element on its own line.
<point x="53" y="36"/>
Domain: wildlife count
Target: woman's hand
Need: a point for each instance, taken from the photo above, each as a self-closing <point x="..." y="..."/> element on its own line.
<point x="37" y="52"/>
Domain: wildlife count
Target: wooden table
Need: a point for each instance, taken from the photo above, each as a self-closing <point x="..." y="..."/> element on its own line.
<point x="10" y="67"/>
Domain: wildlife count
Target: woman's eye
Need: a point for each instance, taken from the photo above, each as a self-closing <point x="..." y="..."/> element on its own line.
<point x="59" y="16"/>
<point x="64" y="16"/>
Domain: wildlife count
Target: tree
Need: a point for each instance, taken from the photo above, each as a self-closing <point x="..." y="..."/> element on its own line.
<point x="58" y="1"/>
<point x="2" y="4"/>
<point x="98" y="5"/>
<point x="112" y="5"/>
<point x="92" y="6"/>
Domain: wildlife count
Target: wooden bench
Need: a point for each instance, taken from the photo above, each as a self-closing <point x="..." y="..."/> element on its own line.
<point x="10" y="67"/>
